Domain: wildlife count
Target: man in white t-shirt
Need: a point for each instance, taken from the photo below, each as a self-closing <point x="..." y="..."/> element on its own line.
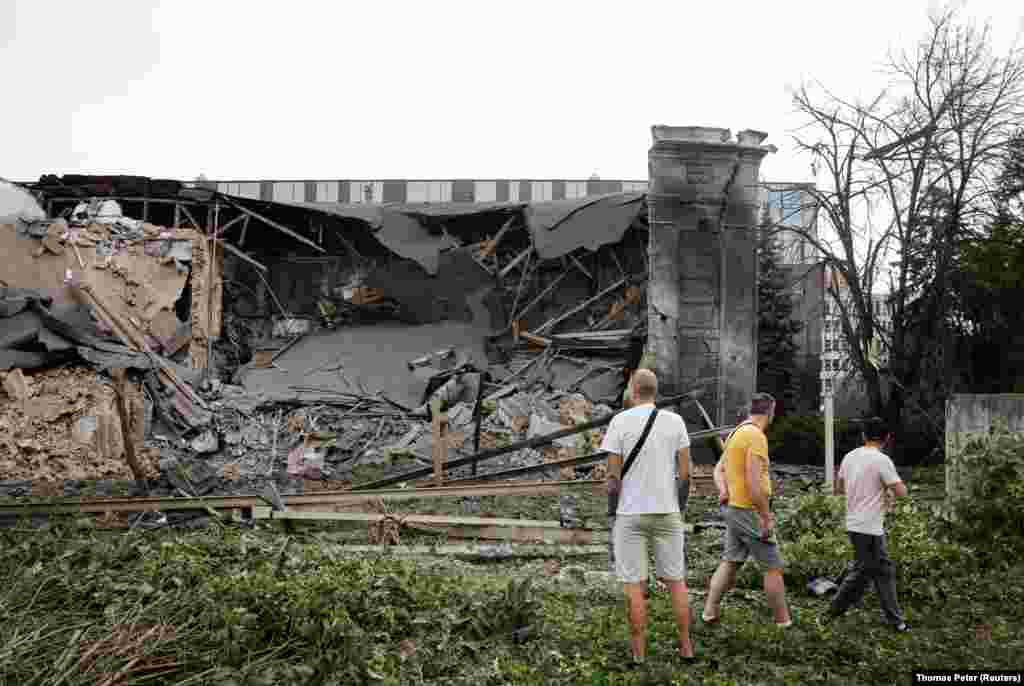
<point x="650" y="501"/>
<point x="866" y="476"/>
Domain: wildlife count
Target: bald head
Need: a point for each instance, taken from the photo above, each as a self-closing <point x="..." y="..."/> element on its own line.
<point x="645" y="386"/>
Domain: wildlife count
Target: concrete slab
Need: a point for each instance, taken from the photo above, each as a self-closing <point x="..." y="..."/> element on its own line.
<point x="374" y="354"/>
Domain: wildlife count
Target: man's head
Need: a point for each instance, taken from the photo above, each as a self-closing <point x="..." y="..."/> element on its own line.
<point x="762" y="405"/>
<point x="645" y="386"/>
<point x="875" y="430"/>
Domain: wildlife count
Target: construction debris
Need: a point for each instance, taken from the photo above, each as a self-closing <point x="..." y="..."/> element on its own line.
<point x="403" y="343"/>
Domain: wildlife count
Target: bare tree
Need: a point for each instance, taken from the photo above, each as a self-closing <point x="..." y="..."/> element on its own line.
<point x="906" y="176"/>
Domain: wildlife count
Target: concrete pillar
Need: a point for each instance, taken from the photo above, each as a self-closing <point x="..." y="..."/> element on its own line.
<point x="702" y="313"/>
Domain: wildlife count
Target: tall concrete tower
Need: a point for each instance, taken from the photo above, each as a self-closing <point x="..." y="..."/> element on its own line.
<point x="702" y="294"/>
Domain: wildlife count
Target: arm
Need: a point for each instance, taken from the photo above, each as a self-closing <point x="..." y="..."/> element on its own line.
<point x="757" y="496"/>
<point x="614" y="474"/>
<point x="840" y="487"/>
<point x="683" y="458"/>
<point x="894" y="486"/>
<point x="720" y="482"/>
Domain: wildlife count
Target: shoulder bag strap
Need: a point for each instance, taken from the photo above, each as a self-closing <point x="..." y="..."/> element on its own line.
<point x="639" y="445"/>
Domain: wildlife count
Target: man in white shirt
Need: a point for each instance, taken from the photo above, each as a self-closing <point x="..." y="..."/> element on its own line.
<point x="650" y="502"/>
<point x="866" y="476"/>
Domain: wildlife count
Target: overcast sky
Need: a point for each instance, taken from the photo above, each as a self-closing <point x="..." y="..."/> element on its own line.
<point x="425" y="89"/>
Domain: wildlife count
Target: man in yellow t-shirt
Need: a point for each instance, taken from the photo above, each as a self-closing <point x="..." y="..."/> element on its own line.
<point x="744" y="489"/>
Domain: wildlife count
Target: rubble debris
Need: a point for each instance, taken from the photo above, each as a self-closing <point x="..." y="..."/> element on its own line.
<point x="15" y="385"/>
<point x="205" y="442"/>
<point x="66" y="427"/>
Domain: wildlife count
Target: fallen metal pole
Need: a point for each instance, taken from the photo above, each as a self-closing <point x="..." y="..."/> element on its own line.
<point x="574" y="461"/>
<point x="521" y="445"/>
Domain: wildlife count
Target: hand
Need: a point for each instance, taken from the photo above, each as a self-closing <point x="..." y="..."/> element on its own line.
<point x="614" y="485"/>
<point x="723" y="497"/>
<point x="767" y="522"/>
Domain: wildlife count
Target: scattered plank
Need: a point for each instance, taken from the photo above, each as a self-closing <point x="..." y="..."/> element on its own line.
<point x="475" y="550"/>
<point x="321" y="499"/>
<point x="264" y="512"/>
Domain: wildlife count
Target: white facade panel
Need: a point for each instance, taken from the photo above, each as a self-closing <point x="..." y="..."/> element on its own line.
<point x="366" y="191"/>
<point x="327" y="191"/>
<point x="289" y="191"/>
<point x="485" y="191"/>
<point x="283" y="191"/>
<point x="440" y="191"/>
<point x="513" y="191"/>
<point x="248" y="190"/>
<point x="417" y="191"/>
<point x="355" y="192"/>
<point x="575" y="189"/>
<point x="540" y="191"/>
<point x="225" y="188"/>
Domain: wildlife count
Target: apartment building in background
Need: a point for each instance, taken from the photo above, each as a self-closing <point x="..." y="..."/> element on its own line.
<point x="836" y="363"/>
<point x="376" y="191"/>
<point x="792" y="204"/>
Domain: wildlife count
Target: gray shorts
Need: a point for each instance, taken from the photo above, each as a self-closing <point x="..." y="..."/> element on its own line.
<point x="631" y="536"/>
<point x="742" y="539"/>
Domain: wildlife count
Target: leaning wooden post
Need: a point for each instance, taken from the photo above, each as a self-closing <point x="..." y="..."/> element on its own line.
<point x="440" y="440"/>
<point x="121" y="401"/>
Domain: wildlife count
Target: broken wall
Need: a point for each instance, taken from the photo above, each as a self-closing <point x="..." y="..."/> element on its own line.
<point x="139" y="280"/>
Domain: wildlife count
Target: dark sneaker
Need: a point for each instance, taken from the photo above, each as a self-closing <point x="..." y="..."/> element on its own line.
<point x="901" y="628"/>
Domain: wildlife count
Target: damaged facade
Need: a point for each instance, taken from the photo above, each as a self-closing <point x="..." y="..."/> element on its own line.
<point x="297" y="342"/>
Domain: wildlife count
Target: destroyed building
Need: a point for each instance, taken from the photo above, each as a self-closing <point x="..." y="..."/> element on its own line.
<point x="296" y="340"/>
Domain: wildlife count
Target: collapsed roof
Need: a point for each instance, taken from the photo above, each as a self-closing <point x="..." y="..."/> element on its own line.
<point x="556" y="227"/>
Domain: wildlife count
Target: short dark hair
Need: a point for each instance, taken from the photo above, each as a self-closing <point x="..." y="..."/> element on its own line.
<point x="875" y="429"/>
<point x="761" y="403"/>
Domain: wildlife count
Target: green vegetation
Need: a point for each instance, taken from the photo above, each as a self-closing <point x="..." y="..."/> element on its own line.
<point x="234" y="606"/>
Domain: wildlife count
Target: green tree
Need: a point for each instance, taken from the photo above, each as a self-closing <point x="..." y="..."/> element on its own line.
<point x="989" y="287"/>
<point x="778" y="371"/>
